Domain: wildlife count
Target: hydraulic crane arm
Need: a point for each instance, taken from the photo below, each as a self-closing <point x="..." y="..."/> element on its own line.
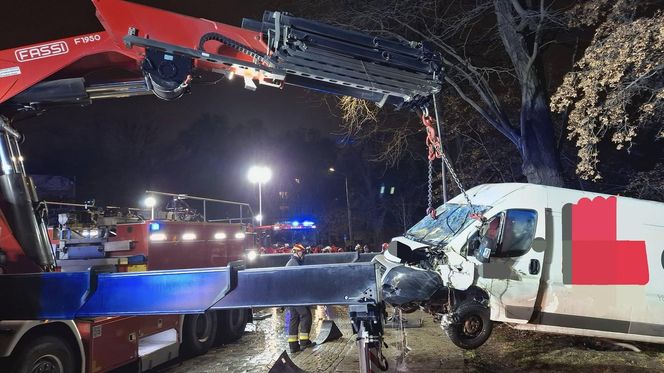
<point x="146" y="50"/>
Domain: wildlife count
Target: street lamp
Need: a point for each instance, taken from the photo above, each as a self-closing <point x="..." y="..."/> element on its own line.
<point x="350" y="228"/>
<point x="260" y="175"/>
<point x="150" y="202"/>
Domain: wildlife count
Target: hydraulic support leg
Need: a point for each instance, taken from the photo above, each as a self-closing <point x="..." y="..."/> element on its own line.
<point x="18" y="201"/>
<point x="368" y="324"/>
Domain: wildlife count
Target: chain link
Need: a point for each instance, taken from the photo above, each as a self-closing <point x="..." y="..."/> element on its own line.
<point x="434" y="142"/>
<point x="430" y="188"/>
<point x="435" y="151"/>
<point x="448" y="164"/>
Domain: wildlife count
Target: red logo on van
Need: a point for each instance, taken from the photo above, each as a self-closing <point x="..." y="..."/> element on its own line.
<point x="597" y="257"/>
<point x="55" y="48"/>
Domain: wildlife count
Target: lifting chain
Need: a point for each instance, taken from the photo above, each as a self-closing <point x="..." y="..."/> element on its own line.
<point x="436" y="151"/>
<point x="430" y="210"/>
<point x="456" y="179"/>
<point x="433" y="144"/>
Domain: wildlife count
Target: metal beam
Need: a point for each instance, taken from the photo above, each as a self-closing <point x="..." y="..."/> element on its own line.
<point x="70" y="295"/>
<point x="330" y="284"/>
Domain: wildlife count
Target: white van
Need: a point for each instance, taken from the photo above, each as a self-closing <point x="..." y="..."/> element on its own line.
<point x="540" y="258"/>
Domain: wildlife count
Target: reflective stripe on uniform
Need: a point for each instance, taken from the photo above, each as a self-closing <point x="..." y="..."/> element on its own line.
<point x="292" y="338"/>
<point x="304" y="336"/>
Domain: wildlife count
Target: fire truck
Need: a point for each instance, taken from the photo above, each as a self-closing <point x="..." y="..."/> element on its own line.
<point x="128" y="306"/>
<point x="110" y="239"/>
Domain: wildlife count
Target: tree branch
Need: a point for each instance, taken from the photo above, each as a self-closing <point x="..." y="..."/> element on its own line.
<point x="507" y="131"/>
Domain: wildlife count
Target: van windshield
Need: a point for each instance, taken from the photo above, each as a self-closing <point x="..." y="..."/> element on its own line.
<point x="452" y="219"/>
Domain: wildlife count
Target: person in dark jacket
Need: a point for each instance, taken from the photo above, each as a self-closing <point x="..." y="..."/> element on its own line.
<point x="298" y="318"/>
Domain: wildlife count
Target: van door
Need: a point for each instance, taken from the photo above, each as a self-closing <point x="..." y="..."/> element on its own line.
<point x="512" y="277"/>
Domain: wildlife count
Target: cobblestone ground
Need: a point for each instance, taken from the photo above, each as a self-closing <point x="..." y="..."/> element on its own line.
<point x="424" y="349"/>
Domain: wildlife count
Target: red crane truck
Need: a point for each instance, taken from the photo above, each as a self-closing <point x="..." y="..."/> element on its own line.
<point x="59" y="321"/>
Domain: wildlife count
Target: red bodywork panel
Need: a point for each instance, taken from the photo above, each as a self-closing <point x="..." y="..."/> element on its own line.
<point x="118" y="16"/>
<point x="100" y="52"/>
<point x="111" y="342"/>
<point x="26" y="66"/>
<point x="116" y="341"/>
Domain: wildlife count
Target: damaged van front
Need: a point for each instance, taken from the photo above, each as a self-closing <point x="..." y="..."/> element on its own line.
<point x="536" y="257"/>
<point x="439" y="264"/>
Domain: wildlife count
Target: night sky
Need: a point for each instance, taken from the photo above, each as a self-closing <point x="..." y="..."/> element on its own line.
<point x="59" y="132"/>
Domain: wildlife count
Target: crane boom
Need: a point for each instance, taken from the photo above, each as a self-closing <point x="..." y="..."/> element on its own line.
<point x="144" y="49"/>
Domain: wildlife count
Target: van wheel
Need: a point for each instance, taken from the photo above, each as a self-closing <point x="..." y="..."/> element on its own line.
<point x="47" y="354"/>
<point x="473" y="326"/>
<point x="232" y="324"/>
<point x="198" y="333"/>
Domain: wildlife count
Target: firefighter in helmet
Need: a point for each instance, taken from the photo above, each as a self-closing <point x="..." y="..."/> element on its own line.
<point x="298" y="319"/>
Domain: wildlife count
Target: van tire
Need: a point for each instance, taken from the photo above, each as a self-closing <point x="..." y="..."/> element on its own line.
<point x="473" y="326"/>
<point x="44" y="353"/>
<point x="198" y="333"/>
<point x="232" y="324"/>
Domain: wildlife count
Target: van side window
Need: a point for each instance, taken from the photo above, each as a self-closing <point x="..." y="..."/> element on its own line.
<point x="490" y="236"/>
<point x="518" y="232"/>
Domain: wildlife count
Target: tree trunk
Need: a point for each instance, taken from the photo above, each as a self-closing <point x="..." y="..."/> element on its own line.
<point x="540" y="158"/>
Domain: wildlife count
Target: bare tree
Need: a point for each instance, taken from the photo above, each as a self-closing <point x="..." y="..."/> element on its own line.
<point x="478" y="70"/>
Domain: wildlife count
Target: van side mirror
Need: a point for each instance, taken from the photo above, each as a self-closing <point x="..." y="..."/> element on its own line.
<point x="489" y="238"/>
<point x="517" y="232"/>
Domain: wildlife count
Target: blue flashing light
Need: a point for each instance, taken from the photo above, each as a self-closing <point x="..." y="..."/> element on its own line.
<point x="307" y="223"/>
<point x="155" y="227"/>
<point x="295" y="223"/>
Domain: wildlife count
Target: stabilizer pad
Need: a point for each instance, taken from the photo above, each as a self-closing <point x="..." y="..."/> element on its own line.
<point x="328" y="332"/>
<point x="285" y="365"/>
